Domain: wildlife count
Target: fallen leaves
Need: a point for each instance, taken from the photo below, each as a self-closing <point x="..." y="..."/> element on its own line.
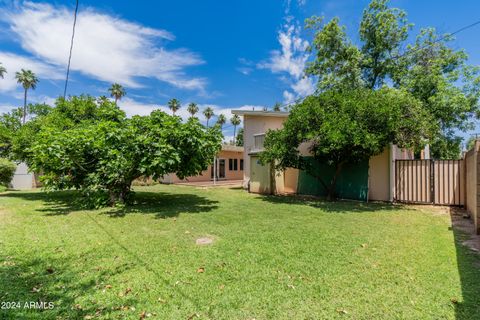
<point x="342" y="311"/>
<point x="201" y="270"/>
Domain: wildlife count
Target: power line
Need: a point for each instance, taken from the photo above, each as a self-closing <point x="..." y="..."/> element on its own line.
<point x="71" y="49"/>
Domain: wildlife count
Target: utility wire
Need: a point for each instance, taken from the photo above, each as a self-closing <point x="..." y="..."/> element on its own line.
<point x="71" y="49"/>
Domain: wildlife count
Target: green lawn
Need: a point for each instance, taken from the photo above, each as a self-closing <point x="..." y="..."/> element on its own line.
<point x="272" y="258"/>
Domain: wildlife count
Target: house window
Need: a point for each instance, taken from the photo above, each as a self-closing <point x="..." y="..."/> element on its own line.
<point x="241" y="164"/>
<point x="233" y="164"/>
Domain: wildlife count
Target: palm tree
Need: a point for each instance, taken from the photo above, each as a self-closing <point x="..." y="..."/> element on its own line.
<point x="2" y="71"/>
<point x="235" y="120"/>
<point x="208" y="113"/>
<point x="221" y="120"/>
<point x="29" y="80"/>
<point x="117" y="91"/>
<point x="192" y="108"/>
<point x="174" y="105"/>
<point x="277" y="107"/>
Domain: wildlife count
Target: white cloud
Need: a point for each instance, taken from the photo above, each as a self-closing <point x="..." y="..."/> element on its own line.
<point x="291" y="60"/>
<point x="14" y="63"/>
<point x="106" y="47"/>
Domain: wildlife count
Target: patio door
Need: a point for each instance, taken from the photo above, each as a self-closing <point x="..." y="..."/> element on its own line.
<point x="220" y="169"/>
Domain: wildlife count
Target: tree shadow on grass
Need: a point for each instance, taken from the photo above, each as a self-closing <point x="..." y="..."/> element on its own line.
<point x="55" y="280"/>
<point x="339" y="206"/>
<point x="160" y="204"/>
<point x="468" y="263"/>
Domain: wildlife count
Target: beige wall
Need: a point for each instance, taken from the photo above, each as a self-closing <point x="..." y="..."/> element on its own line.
<point x="472" y="184"/>
<point x="253" y="125"/>
<point x="207" y="174"/>
<point x="379" y="177"/>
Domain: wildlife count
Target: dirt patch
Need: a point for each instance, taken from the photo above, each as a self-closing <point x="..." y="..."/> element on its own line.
<point x="462" y="223"/>
<point x="204" y="241"/>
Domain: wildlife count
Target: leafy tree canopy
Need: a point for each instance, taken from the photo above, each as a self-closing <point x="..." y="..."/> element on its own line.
<point x="347" y="127"/>
<point x="429" y="69"/>
<point x="90" y="145"/>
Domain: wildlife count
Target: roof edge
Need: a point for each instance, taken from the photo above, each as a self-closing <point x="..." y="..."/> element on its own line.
<point x="278" y="114"/>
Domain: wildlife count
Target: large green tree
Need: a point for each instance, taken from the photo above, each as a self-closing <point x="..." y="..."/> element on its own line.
<point x="430" y="69"/>
<point x="346" y="127"/>
<point x="90" y="145"/>
<point x="28" y="80"/>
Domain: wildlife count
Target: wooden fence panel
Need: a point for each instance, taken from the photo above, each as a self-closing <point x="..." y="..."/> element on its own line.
<point x="430" y="181"/>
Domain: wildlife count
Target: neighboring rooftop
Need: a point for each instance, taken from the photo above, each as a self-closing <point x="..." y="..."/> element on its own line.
<point x="280" y="114"/>
<point x="229" y="147"/>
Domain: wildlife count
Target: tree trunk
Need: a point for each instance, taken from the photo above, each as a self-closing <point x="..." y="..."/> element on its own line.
<point x="207" y="121"/>
<point x="119" y="194"/>
<point x="331" y="196"/>
<point x="24" y="106"/>
<point x="234" y="135"/>
<point x="116" y="99"/>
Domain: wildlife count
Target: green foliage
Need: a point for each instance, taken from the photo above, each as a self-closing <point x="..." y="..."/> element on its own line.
<point x="91" y="146"/>
<point x="221" y="120"/>
<point x="28" y="80"/>
<point x="117" y="91"/>
<point x="471" y="143"/>
<point x="239" y="138"/>
<point x="10" y="123"/>
<point x="174" y="105"/>
<point x="192" y="108"/>
<point x="277" y="107"/>
<point x="208" y="113"/>
<point x="347" y="127"/>
<point x="7" y="170"/>
<point x="430" y="69"/>
<point x="446" y="147"/>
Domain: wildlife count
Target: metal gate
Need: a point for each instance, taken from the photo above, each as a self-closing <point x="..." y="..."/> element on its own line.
<point x="439" y="182"/>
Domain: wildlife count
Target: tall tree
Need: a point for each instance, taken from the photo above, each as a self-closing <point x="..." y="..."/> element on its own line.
<point x="2" y="71"/>
<point x="382" y="30"/>
<point x="192" y="109"/>
<point x="345" y="128"/>
<point x="235" y="121"/>
<point x="277" y="107"/>
<point x="429" y="69"/>
<point x="28" y="80"/>
<point x="208" y="113"/>
<point x="117" y="92"/>
<point x="221" y="120"/>
<point x="174" y="105"/>
<point x="94" y="148"/>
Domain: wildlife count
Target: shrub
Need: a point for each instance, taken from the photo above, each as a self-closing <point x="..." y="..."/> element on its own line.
<point x="7" y="170"/>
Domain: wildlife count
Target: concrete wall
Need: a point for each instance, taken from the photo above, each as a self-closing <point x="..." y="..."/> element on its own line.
<point x="379" y="177"/>
<point x="23" y="180"/>
<point x="253" y="125"/>
<point x="472" y="184"/>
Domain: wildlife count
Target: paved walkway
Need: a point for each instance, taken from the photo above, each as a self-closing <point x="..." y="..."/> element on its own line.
<point x="221" y="183"/>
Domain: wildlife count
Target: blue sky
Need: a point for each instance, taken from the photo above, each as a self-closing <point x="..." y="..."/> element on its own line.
<point x="224" y="54"/>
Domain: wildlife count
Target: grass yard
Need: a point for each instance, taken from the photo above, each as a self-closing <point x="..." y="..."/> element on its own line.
<point x="272" y="258"/>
